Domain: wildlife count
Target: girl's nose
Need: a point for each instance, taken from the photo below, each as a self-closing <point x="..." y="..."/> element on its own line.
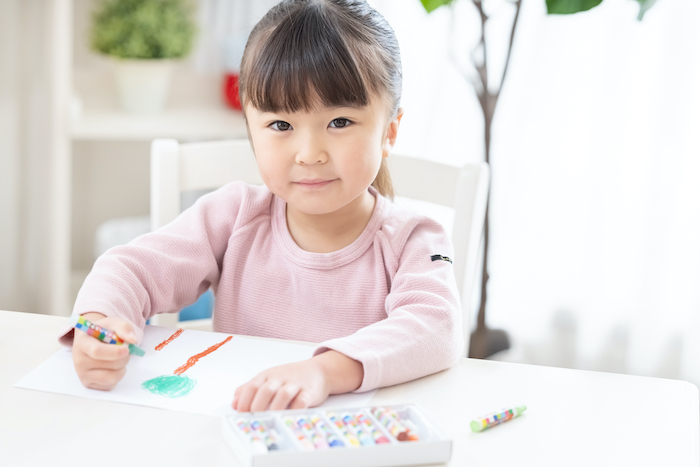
<point x="311" y="151"/>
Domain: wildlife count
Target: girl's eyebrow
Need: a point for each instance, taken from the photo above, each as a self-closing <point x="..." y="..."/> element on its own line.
<point x="282" y="113"/>
<point x="341" y="107"/>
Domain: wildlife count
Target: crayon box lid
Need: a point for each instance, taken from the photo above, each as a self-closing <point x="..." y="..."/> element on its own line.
<point x="341" y="436"/>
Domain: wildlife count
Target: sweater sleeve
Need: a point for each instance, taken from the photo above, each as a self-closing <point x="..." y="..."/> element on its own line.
<point x="422" y="333"/>
<point x="165" y="270"/>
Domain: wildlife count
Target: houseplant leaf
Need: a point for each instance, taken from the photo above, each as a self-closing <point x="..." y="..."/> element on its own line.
<point x="431" y="5"/>
<point x="143" y="29"/>
<point x="568" y="7"/>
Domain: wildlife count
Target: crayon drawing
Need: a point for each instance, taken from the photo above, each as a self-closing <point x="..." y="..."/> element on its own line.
<point x="177" y="385"/>
<point x="195" y="358"/>
<point x="215" y="373"/>
<point x="169" y="339"/>
<point x="170" y="385"/>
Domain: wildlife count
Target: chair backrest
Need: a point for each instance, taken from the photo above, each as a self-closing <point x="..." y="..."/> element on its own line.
<point x="176" y="168"/>
<point x="464" y="189"/>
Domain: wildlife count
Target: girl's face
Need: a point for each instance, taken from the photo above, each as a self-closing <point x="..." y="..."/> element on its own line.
<point x="322" y="161"/>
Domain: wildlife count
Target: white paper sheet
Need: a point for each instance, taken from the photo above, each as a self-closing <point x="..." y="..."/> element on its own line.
<point x="217" y="374"/>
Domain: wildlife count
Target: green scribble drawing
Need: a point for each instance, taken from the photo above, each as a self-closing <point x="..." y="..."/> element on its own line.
<point x="170" y="385"/>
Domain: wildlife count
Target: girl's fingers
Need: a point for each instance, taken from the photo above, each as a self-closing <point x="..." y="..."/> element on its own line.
<point x="298" y="385"/>
<point x="284" y="396"/>
<point x="85" y="363"/>
<point x="97" y="350"/>
<point x="102" y="379"/>
<point x="246" y="395"/>
<point x="264" y="395"/>
<point x="123" y="329"/>
<point x="236" y="396"/>
<point x="301" y="401"/>
<point x="100" y="365"/>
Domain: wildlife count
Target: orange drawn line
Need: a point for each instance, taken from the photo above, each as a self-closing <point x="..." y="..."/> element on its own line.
<point x="192" y="360"/>
<point x="169" y="339"/>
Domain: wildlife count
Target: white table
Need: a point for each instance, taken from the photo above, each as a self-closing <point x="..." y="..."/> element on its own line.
<point x="574" y="417"/>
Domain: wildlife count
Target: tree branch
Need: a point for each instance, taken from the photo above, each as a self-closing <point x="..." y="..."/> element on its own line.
<point x="482" y="68"/>
<point x="518" y="4"/>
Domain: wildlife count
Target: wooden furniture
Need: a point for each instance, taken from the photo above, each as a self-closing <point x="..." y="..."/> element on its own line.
<point x="574" y="417"/>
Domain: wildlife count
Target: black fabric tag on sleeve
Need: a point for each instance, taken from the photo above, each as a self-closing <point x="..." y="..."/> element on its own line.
<point x="440" y="258"/>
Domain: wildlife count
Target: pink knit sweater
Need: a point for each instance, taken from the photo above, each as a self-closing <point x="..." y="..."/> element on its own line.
<point x="381" y="300"/>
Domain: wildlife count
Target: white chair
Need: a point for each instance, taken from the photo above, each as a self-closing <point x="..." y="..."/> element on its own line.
<point x="176" y="168"/>
<point x="464" y="189"/>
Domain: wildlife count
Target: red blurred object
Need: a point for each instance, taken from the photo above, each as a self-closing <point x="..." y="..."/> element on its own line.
<point x="233" y="100"/>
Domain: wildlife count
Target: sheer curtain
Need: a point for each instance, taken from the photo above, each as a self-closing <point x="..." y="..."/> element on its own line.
<point x="32" y="152"/>
<point x="595" y="259"/>
<point x="221" y="22"/>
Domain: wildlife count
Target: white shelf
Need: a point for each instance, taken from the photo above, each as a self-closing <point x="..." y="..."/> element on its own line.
<point x="194" y="111"/>
<point x="84" y="81"/>
<point x="180" y="123"/>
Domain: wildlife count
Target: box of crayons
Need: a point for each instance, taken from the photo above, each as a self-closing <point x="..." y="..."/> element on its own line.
<point x="357" y="437"/>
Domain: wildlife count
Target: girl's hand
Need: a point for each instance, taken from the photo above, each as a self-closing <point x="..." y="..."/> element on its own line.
<point x="299" y="385"/>
<point x="99" y="365"/>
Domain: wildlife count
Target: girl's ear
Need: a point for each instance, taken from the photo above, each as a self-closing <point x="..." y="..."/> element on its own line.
<point x="392" y="132"/>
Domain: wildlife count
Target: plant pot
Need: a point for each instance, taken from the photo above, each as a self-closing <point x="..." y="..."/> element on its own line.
<point x="142" y="84"/>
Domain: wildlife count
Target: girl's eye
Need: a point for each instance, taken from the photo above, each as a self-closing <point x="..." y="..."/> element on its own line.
<point x="340" y="123"/>
<point x="279" y="125"/>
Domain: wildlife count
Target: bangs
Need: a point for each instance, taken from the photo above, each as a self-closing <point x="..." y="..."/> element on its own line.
<point x="305" y="63"/>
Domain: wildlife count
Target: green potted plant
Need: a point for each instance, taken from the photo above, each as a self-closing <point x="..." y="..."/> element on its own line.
<point x="145" y="39"/>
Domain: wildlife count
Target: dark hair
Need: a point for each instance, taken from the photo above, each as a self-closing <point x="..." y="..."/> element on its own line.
<point x="306" y="53"/>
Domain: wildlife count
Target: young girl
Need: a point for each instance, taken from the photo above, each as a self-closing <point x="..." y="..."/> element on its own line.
<point x="319" y="253"/>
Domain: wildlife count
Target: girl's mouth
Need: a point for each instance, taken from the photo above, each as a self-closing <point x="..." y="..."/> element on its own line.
<point x="314" y="183"/>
